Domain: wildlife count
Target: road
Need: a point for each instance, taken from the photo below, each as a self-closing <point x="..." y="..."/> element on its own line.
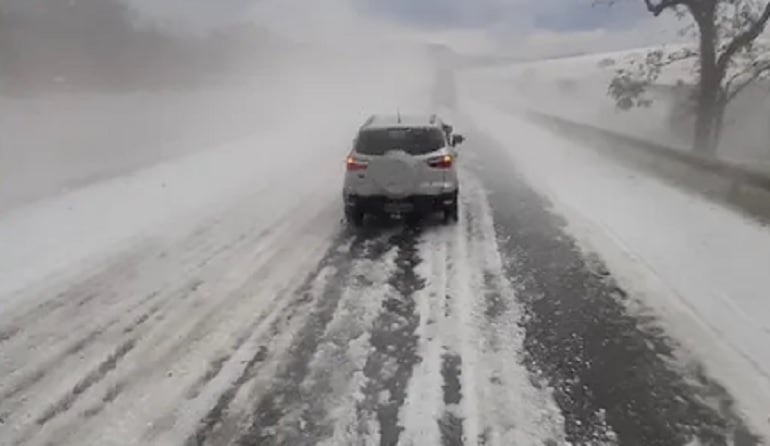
<point x="292" y="329"/>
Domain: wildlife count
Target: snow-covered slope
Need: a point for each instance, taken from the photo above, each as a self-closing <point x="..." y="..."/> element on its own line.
<point x="576" y="88"/>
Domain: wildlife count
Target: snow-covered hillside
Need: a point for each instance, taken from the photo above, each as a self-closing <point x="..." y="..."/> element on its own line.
<point x="575" y="88"/>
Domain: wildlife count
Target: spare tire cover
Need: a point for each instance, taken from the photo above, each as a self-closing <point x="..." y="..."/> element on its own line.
<point x="395" y="173"/>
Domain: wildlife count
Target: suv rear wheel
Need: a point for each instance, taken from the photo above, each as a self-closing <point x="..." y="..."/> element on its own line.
<point x="451" y="213"/>
<point x="354" y="216"/>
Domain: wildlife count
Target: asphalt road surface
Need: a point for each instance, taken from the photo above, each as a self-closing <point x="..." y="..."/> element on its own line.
<point x="498" y="330"/>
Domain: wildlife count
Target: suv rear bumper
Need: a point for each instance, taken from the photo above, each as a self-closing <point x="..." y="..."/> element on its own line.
<point x="378" y="204"/>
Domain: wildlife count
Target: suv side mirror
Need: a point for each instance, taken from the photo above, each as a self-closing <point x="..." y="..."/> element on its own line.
<point x="457" y="139"/>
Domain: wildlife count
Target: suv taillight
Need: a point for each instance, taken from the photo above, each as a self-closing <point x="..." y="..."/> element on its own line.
<point x="441" y="162"/>
<point x="354" y="164"/>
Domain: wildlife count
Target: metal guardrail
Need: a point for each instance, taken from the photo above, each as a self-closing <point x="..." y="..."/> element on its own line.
<point x="746" y="188"/>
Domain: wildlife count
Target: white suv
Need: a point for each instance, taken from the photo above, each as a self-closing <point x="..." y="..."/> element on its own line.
<point x="402" y="165"/>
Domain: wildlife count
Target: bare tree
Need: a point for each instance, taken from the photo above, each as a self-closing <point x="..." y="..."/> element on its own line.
<point x="729" y="58"/>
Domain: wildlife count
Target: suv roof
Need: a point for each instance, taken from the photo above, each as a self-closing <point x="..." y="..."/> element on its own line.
<point x="401" y="121"/>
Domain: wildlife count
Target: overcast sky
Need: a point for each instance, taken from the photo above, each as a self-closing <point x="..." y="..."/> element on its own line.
<point x="534" y="26"/>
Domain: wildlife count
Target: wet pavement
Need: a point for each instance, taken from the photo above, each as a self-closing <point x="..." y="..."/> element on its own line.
<point x="614" y="373"/>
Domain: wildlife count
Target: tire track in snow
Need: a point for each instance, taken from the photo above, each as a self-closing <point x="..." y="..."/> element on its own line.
<point x="498" y="404"/>
<point x="285" y="312"/>
<point x="212" y="395"/>
<point x="389" y="367"/>
<point x="103" y="282"/>
<point x="195" y="250"/>
<point x="30" y="379"/>
<point x="121" y="325"/>
<point x="458" y="337"/>
<point x="215" y="416"/>
<point x="470" y="386"/>
<point x="214" y="367"/>
<point x="211" y="426"/>
<point x="164" y="301"/>
<point x="72" y="299"/>
<point x="452" y="416"/>
<point x="450" y="424"/>
<point x="336" y="372"/>
<point x="217" y="365"/>
<point x="109" y="396"/>
<point x="284" y="391"/>
<point x="106" y="366"/>
<point x="420" y="412"/>
<point x="194" y="246"/>
<point x="43" y="320"/>
<point x="200" y="327"/>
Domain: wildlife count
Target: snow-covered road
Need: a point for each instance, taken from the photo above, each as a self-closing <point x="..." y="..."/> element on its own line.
<point x="267" y="321"/>
<point x="280" y="329"/>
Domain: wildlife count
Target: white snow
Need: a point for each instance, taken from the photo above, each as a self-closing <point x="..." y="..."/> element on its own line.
<point x="184" y="262"/>
<point x="576" y="89"/>
<point x="339" y="361"/>
<point x="57" y="142"/>
<point x="208" y="246"/>
<point x="424" y="404"/>
<point x="453" y="322"/>
<point x="515" y="411"/>
<point x="292" y="157"/>
<point x="701" y="267"/>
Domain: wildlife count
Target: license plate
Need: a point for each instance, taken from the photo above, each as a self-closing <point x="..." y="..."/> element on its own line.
<point x="395" y="208"/>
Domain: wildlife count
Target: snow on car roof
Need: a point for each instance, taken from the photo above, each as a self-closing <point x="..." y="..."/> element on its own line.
<point x="402" y="120"/>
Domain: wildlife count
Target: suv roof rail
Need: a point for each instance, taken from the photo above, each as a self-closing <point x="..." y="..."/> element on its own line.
<point x="402" y="120"/>
<point x="368" y="122"/>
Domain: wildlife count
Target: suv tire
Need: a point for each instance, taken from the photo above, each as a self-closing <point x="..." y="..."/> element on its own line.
<point x="451" y="213"/>
<point x="354" y="216"/>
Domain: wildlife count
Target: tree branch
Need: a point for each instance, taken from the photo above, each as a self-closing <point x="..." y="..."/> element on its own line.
<point x="743" y="39"/>
<point x="657" y="8"/>
<point x="758" y="71"/>
<point x="678" y="56"/>
<point x="729" y="82"/>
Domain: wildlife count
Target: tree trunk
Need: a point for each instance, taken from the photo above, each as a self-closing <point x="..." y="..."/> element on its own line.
<point x="709" y="86"/>
<point x="719" y="123"/>
<point x="704" y="142"/>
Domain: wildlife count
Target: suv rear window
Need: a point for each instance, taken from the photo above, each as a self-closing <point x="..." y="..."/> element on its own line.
<point x="414" y="141"/>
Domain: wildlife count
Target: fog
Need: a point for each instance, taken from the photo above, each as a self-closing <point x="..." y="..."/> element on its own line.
<point x="576" y="88"/>
<point x="92" y="89"/>
<point x="180" y="264"/>
<point x="139" y="128"/>
<point x="98" y="88"/>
